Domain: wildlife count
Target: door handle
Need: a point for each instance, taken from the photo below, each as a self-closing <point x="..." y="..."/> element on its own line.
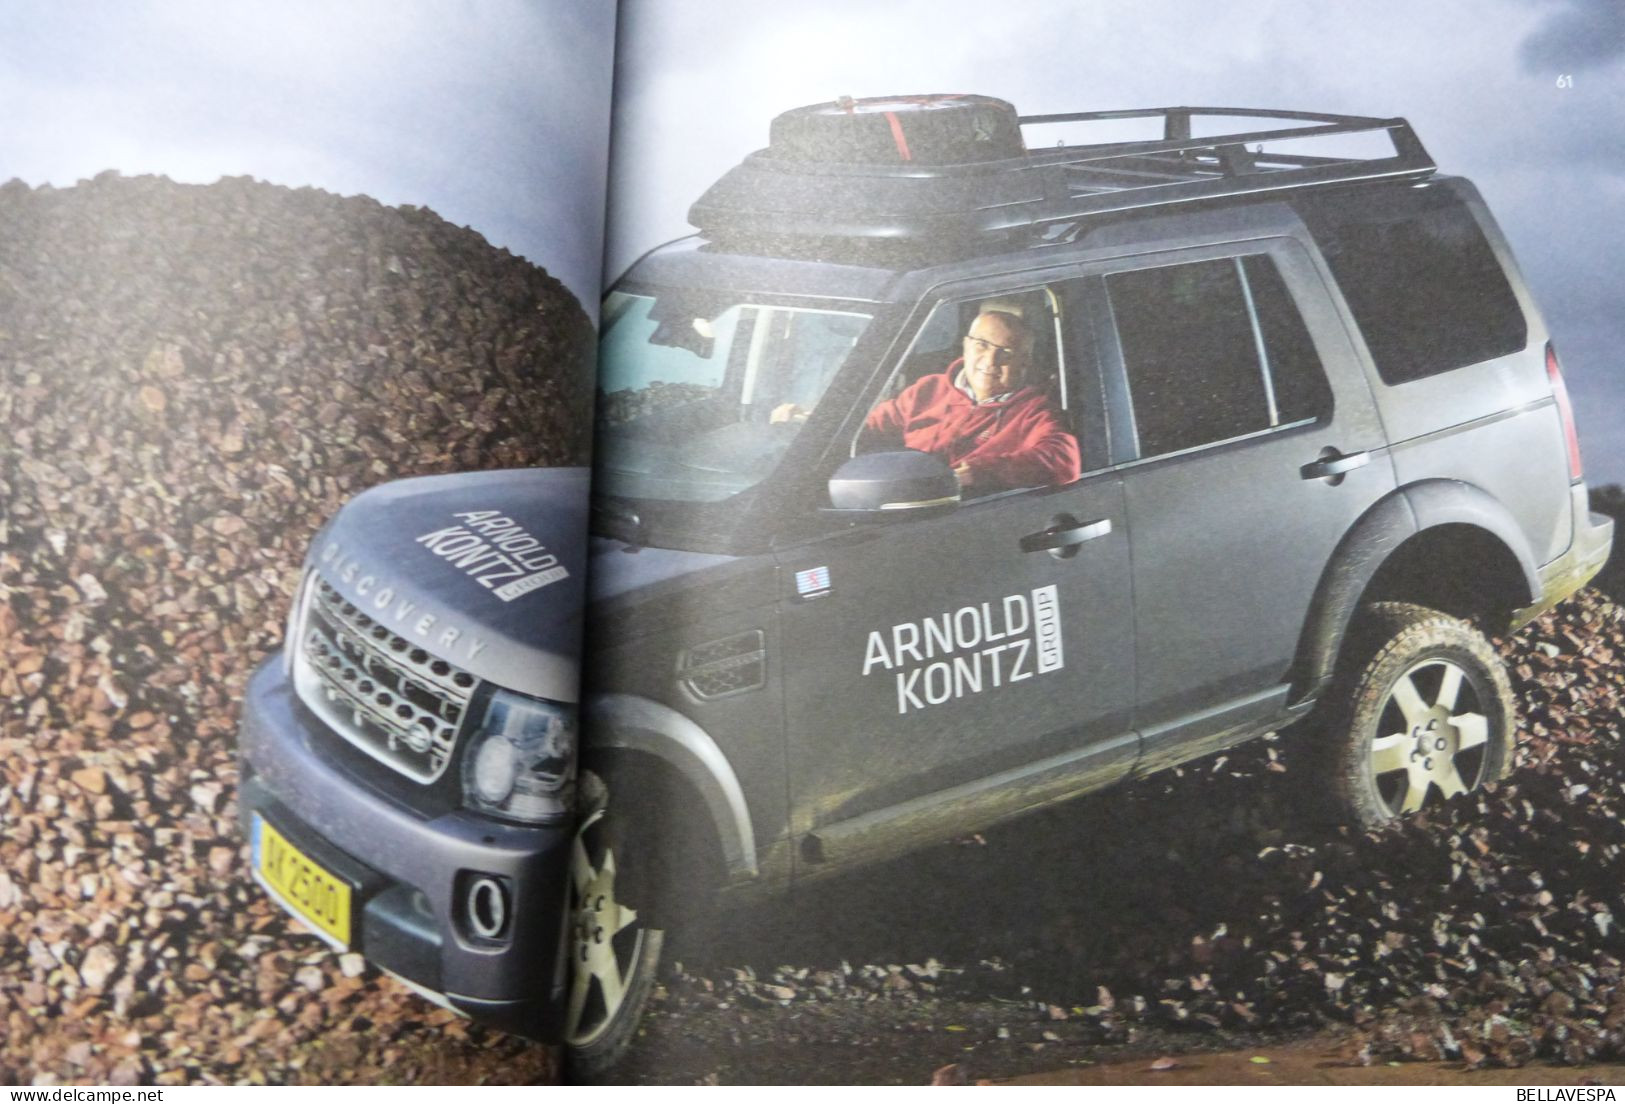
<point x="1064" y="535"/>
<point x="1334" y="465"/>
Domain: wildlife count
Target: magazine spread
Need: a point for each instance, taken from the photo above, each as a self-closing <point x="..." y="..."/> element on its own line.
<point x="1033" y="571"/>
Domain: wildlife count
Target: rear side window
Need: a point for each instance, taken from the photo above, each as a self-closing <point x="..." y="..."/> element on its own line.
<point x="1213" y="350"/>
<point x="1423" y="283"/>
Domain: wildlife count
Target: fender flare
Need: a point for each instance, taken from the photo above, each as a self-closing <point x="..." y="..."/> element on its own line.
<point x="632" y="723"/>
<point x="1389" y="523"/>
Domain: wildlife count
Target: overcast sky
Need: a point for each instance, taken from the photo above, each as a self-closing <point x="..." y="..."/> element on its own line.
<point x="699" y="80"/>
<point x="493" y="113"/>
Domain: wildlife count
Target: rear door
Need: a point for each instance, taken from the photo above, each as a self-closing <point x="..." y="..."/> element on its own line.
<point x="1248" y="444"/>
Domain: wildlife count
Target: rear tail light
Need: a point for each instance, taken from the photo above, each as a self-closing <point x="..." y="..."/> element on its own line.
<point x="1565" y="411"/>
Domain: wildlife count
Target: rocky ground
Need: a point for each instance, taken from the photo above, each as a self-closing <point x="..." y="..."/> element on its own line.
<point x="191" y="379"/>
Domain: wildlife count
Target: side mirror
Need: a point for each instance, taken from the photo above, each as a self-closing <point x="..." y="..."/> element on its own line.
<point x="890" y="486"/>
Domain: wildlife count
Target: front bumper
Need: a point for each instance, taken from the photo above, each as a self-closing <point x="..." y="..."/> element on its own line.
<point x="409" y="872"/>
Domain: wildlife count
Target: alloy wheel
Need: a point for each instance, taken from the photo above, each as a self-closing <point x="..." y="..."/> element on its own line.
<point x="1432" y="734"/>
<point x="606" y="938"/>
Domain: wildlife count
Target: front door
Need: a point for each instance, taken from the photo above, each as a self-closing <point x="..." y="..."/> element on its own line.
<point x="929" y="657"/>
<point x="943" y="652"/>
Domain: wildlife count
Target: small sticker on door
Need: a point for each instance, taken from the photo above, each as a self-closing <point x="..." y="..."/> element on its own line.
<point x="813" y="583"/>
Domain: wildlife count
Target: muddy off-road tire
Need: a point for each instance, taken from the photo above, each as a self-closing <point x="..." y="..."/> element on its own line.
<point x="614" y="953"/>
<point x="1421" y="711"/>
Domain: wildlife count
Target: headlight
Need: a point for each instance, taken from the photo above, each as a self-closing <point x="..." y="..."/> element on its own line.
<point x="521" y="761"/>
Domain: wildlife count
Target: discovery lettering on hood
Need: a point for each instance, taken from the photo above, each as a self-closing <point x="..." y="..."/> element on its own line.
<point x="378" y="598"/>
<point x="969" y="650"/>
<point x="491" y="548"/>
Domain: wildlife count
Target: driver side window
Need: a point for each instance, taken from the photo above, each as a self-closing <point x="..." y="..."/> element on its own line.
<point x="981" y="387"/>
<point x="940" y="340"/>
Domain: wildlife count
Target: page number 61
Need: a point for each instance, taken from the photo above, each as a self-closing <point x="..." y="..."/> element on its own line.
<point x="1565" y="80"/>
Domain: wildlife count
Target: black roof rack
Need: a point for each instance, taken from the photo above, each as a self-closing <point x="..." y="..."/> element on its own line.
<point x="778" y="196"/>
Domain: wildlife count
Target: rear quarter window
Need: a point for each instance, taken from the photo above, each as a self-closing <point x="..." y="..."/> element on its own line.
<point x="1422" y="282"/>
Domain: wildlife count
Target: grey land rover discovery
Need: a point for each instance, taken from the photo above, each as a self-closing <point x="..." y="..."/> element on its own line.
<point x="1318" y="446"/>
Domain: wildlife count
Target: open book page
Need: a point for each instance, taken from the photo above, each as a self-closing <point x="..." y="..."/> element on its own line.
<point x="256" y="261"/>
<point x="981" y="428"/>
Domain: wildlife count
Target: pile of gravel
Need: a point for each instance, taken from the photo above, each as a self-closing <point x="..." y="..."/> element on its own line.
<point x="191" y="379"/>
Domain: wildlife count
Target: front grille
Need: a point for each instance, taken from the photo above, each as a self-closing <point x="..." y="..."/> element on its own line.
<point x="385" y="695"/>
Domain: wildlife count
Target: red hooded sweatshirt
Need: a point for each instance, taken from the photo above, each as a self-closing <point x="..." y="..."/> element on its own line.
<point x="1014" y="442"/>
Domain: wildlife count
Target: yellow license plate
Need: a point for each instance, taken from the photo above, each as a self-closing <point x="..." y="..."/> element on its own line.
<point x="305" y="886"/>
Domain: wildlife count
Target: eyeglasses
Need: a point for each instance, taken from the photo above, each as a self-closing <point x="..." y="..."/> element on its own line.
<point x="1001" y="354"/>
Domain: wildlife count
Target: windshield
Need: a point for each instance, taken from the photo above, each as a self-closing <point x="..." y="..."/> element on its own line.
<point x="701" y="395"/>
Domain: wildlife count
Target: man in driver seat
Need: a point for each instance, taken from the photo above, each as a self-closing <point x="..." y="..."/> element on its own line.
<point x="979" y="415"/>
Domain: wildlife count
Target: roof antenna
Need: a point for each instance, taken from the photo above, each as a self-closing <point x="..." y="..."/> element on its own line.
<point x="846" y="104"/>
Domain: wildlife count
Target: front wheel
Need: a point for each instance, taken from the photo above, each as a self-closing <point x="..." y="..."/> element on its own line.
<point x="613" y="951"/>
<point x="1425" y="712"/>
